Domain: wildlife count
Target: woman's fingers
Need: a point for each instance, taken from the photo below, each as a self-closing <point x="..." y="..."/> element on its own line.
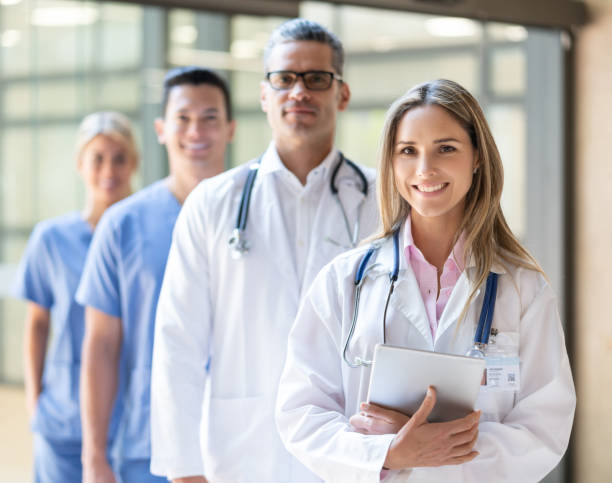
<point x="366" y="424"/>
<point x="464" y="424"/>
<point x="361" y="423"/>
<point x="465" y="436"/>
<point x="387" y="415"/>
<point x="464" y="448"/>
<point x="458" y="460"/>
<point x="421" y="414"/>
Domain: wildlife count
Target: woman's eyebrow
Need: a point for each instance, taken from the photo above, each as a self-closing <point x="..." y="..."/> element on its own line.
<point x="446" y="140"/>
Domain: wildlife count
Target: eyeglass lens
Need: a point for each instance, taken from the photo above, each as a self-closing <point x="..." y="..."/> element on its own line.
<point x="313" y="80"/>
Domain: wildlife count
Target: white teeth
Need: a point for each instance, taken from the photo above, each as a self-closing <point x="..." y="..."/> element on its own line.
<point x="196" y="146"/>
<point x="430" y="189"/>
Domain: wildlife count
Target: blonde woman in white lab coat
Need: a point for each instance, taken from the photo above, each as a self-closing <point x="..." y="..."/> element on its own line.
<point x="440" y="183"/>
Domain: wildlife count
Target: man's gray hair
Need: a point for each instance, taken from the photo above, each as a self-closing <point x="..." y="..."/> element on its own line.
<point x="299" y="29"/>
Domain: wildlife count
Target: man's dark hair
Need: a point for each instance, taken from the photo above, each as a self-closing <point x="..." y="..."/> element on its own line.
<point x="195" y="76"/>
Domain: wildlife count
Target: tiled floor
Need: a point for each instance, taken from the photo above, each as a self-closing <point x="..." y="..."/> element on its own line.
<point x="15" y="437"/>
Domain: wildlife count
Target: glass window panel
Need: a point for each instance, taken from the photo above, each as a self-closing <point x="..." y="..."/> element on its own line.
<point x="505" y="32"/>
<point x="251" y="139"/>
<point x="15" y="30"/>
<point x="379" y="81"/>
<point x="58" y="98"/>
<point x="182" y="31"/>
<point x="60" y="31"/>
<point x="13" y="248"/>
<point x="18" y="192"/>
<point x="121" y="36"/>
<point x="17" y="101"/>
<point x="250" y="35"/>
<point x="508" y="71"/>
<point x="119" y="93"/>
<point x="391" y="30"/>
<point x="56" y="49"/>
<point x="59" y="185"/>
<point x="509" y="130"/>
<point x="245" y="89"/>
<point x="358" y="133"/>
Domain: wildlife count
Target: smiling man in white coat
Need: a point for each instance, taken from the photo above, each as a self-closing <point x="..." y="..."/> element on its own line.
<point x="246" y="246"/>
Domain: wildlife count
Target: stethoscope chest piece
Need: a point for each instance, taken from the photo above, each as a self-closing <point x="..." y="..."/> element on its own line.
<point x="477" y="351"/>
<point x="238" y="244"/>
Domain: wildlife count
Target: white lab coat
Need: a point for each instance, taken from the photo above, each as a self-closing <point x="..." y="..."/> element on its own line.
<point x="238" y="313"/>
<point x="522" y="435"/>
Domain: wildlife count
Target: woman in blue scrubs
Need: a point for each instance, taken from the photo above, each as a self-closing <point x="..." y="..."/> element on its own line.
<point x="48" y="278"/>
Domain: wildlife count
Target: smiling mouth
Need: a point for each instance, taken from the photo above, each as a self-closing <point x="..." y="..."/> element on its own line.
<point x="299" y="111"/>
<point x="108" y="184"/>
<point x="430" y="188"/>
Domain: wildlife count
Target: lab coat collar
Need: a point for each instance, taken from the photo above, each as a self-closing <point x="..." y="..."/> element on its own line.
<point x="405" y="286"/>
<point x="385" y="258"/>
<point x="415" y="313"/>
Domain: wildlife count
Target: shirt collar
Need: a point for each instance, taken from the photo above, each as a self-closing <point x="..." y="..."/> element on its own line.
<point x="456" y="255"/>
<point x="272" y="163"/>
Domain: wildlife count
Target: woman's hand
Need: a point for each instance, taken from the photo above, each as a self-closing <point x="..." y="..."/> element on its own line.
<point x="373" y="419"/>
<point x="419" y="443"/>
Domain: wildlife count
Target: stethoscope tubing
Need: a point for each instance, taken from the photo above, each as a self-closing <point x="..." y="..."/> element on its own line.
<point x="240" y="245"/>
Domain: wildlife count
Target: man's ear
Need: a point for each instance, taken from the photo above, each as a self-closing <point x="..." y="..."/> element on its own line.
<point x="344" y="96"/>
<point x="232" y="130"/>
<point x="263" y="100"/>
<point x="158" y="125"/>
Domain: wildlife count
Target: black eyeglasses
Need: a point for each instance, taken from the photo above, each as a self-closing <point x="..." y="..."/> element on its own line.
<point x="314" y="80"/>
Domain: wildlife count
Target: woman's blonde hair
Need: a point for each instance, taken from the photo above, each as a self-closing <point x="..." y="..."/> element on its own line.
<point x="112" y="124"/>
<point x="488" y="238"/>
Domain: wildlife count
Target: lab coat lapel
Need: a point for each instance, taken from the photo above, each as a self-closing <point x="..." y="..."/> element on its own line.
<point x="457" y="300"/>
<point x="409" y="302"/>
<point x="406" y="298"/>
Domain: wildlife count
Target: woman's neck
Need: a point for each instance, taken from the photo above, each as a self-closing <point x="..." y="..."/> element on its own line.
<point x="434" y="237"/>
<point x="93" y="211"/>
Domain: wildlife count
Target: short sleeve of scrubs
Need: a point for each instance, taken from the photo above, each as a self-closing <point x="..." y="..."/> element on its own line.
<point x="33" y="276"/>
<point x="99" y="285"/>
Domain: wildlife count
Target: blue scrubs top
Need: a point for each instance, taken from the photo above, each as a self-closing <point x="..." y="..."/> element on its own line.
<point x="48" y="275"/>
<point x="122" y="277"/>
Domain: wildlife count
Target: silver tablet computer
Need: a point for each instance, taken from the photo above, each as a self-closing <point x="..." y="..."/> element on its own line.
<point x="400" y="378"/>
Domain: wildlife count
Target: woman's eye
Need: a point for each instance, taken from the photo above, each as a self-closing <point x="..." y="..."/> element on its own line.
<point x="447" y="149"/>
<point x="408" y="150"/>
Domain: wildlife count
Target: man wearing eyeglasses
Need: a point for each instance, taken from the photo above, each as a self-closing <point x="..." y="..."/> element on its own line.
<point x="246" y="247"/>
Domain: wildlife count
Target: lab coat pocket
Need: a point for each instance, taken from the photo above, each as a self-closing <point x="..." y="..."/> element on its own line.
<point x="497" y="398"/>
<point x="243" y="438"/>
<point x="57" y="411"/>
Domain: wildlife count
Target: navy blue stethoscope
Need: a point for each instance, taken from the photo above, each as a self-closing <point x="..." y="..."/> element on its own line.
<point x="240" y="245"/>
<point x="481" y="336"/>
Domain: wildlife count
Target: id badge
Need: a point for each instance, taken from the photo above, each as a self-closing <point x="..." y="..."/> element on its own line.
<point x="503" y="363"/>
